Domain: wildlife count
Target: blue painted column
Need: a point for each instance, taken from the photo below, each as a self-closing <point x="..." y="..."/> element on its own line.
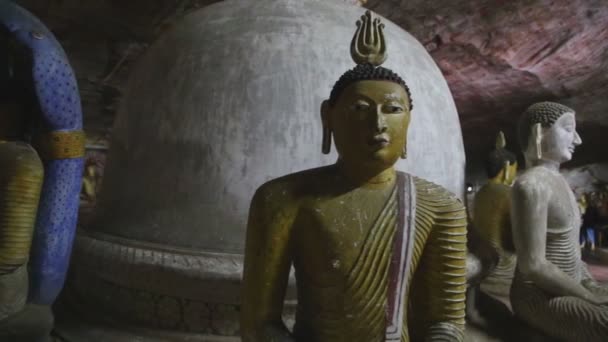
<point x="60" y="143"/>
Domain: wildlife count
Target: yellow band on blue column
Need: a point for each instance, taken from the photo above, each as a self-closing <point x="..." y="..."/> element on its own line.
<point x="60" y="145"/>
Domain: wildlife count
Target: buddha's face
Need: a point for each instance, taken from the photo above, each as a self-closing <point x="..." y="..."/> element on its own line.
<point x="90" y="171"/>
<point x="559" y="141"/>
<point x="369" y="122"/>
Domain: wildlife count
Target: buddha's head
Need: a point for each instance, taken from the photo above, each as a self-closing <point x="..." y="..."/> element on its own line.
<point x="501" y="164"/>
<point x="368" y="114"/>
<point x="368" y="111"/>
<point x="547" y="131"/>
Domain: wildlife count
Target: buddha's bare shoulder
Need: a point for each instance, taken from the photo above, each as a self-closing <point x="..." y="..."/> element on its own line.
<point x="438" y="209"/>
<point x="428" y="192"/>
<point x="23" y="155"/>
<point x="492" y="195"/>
<point x="534" y="173"/>
<point x="533" y="182"/>
<point x="297" y="185"/>
<point x="497" y="189"/>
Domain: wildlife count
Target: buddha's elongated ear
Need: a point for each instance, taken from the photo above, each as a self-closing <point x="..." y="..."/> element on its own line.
<point x="501" y="142"/>
<point x="326" y="143"/>
<point x="536" y="136"/>
<point x="506" y="168"/>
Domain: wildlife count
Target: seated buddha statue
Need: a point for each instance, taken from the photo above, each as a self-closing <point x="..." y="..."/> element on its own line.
<point x="552" y="289"/>
<point x="492" y="219"/>
<point x="379" y="255"/>
<point x="21" y="178"/>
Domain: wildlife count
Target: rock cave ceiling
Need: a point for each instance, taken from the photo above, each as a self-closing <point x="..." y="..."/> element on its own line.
<point x="498" y="56"/>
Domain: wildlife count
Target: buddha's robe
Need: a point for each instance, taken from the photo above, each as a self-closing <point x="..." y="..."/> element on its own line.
<point x="430" y="223"/>
<point x="493" y="224"/>
<point x="21" y="175"/>
<point x="565" y="317"/>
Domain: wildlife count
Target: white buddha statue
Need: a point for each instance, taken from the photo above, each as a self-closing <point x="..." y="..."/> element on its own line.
<point x="552" y="289"/>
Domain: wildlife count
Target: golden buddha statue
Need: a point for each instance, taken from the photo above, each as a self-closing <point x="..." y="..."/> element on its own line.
<point x="492" y="219"/>
<point x="552" y="289"/>
<point x="379" y="255"/>
<point x="21" y="179"/>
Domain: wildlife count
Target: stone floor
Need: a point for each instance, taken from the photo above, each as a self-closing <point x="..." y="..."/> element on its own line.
<point x="502" y="328"/>
<point x="97" y="333"/>
<point x="82" y="331"/>
<point x="72" y="329"/>
<point x="597" y="266"/>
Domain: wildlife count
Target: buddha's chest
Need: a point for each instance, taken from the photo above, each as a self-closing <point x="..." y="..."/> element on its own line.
<point x="332" y="233"/>
<point x="563" y="211"/>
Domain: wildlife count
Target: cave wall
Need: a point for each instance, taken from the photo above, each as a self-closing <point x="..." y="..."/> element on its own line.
<point x="498" y="57"/>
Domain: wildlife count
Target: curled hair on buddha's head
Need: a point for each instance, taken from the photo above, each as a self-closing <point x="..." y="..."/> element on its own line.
<point x="367" y="72"/>
<point x="496" y="160"/>
<point x="543" y="113"/>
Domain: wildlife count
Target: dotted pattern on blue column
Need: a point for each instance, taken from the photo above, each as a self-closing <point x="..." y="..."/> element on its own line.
<point x="57" y="91"/>
<point x="59" y="101"/>
<point x="57" y="216"/>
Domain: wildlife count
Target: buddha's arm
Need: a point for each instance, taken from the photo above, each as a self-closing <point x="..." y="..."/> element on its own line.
<point x="529" y="226"/>
<point x="492" y="221"/>
<point x="444" y="258"/>
<point x="266" y="269"/>
<point x="506" y="234"/>
<point x="21" y="175"/>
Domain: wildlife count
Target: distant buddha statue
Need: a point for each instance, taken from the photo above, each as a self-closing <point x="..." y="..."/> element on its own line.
<point x="552" y="289"/>
<point x="379" y="255"/>
<point x="492" y="217"/>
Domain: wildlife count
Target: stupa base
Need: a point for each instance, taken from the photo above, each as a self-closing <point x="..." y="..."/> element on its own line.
<point x="155" y="286"/>
<point x="73" y="326"/>
<point x="185" y="294"/>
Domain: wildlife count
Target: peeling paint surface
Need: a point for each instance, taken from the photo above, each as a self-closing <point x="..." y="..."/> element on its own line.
<point x="230" y="98"/>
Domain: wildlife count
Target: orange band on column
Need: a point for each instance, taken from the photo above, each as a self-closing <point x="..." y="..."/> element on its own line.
<point x="60" y="145"/>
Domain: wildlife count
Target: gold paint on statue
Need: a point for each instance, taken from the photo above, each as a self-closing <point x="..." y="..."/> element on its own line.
<point x="492" y="204"/>
<point x="338" y="225"/>
<point x="368" y="44"/>
<point x="492" y="217"/>
<point x="21" y="178"/>
<point x="438" y="291"/>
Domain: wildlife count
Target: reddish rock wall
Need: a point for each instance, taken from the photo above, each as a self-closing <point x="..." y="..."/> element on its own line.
<point x="498" y="56"/>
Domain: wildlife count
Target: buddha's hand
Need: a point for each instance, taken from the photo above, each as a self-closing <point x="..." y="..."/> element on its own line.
<point x="598" y="291"/>
<point x="444" y="331"/>
<point x="600" y="300"/>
